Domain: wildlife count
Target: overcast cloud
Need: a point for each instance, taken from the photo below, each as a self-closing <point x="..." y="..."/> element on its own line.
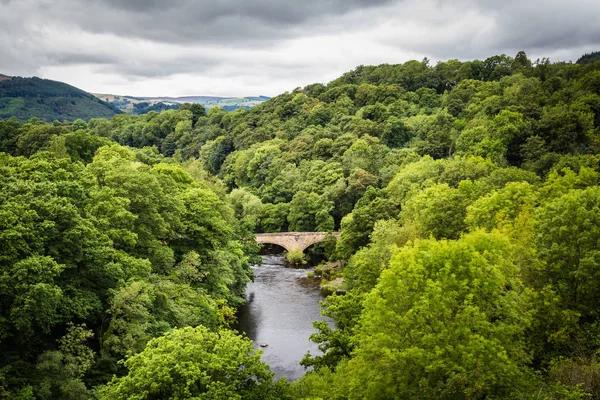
<point x="252" y="47"/>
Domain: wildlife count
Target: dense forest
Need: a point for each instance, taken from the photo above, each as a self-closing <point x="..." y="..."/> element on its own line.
<point x="25" y="98"/>
<point x="466" y="194"/>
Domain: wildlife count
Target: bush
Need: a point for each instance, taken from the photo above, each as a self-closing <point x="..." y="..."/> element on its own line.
<point x="295" y="258"/>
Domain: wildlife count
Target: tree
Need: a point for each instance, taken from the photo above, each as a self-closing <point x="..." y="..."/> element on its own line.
<point x="357" y="226"/>
<point x="440" y="210"/>
<point x="395" y="133"/>
<point x="310" y="212"/>
<point x="247" y="207"/>
<point x="446" y="321"/>
<point x="568" y="241"/>
<point x="521" y="63"/>
<point x="198" y="111"/>
<point x="366" y="153"/>
<point x="500" y="206"/>
<point x="61" y="371"/>
<point x="564" y="129"/>
<point x="365" y="266"/>
<point x="195" y="363"/>
<point x="335" y="344"/>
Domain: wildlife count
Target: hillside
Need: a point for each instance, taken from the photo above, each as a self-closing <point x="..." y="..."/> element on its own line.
<point x="466" y="195"/>
<point x="587" y="58"/>
<point x="141" y="105"/>
<point x="49" y="100"/>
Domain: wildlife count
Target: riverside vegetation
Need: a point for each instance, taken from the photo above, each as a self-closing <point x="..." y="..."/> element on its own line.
<point x="467" y="199"/>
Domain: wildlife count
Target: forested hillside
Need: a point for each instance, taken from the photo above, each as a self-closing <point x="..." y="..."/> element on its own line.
<point x="25" y="98"/>
<point x="467" y="198"/>
<point x="586" y="58"/>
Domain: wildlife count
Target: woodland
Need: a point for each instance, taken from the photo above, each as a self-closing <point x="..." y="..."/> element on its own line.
<point x="25" y="98"/>
<point x="467" y="198"/>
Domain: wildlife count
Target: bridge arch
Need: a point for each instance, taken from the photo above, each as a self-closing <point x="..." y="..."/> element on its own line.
<point x="294" y="241"/>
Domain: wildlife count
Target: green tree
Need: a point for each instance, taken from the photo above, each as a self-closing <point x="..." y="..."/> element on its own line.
<point x="501" y="206"/>
<point x="568" y="239"/>
<point x="61" y="371"/>
<point x="247" y="207"/>
<point x="335" y="343"/>
<point x="363" y="269"/>
<point x="395" y="133"/>
<point x="441" y="210"/>
<point x="195" y="363"/>
<point x="310" y="212"/>
<point x="358" y="225"/>
<point x="451" y="316"/>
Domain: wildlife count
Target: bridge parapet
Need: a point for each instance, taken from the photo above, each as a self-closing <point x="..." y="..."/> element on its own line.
<point x="297" y="234"/>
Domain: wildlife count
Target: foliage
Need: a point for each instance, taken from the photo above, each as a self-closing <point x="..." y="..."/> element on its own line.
<point x="466" y="197"/>
<point x="196" y="363"/>
<point x="25" y="98"/>
<point x="131" y="250"/>
<point x="589" y="57"/>
<point x="449" y="315"/>
<point x="295" y="258"/>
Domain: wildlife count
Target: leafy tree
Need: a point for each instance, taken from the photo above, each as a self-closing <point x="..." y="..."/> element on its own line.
<point x="395" y="133"/>
<point x="309" y="212"/>
<point x="198" y="111"/>
<point x="501" y="206"/>
<point x="568" y="241"/>
<point x="564" y="129"/>
<point x="440" y="210"/>
<point x="335" y="344"/>
<point x="357" y="226"/>
<point x="196" y="363"/>
<point x="365" y="266"/>
<point x="451" y="316"/>
<point x="274" y="218"/>
<point x="247" y="207"/>
<point x="62" y="370"/>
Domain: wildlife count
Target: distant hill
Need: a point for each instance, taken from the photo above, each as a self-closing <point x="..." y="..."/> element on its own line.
<point x="49" y="100"/>
<point x="141" y="105"/>
<point x="587" y="58"/>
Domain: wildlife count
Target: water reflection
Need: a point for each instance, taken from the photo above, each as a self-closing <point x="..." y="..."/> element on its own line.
<point x="281" y="306"/>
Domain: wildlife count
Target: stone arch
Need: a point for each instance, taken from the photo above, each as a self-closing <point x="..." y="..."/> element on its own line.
<point x="294" y="241"/>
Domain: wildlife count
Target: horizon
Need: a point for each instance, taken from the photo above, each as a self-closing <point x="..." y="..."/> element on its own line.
<point x="174" y="97"/>
<point x="155" y="96"/>
<point x="134" y="96"/>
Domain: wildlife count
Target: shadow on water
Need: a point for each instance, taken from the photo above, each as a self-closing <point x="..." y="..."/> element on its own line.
<point x="250" y="298"/>
<point x="281" y="305"/>
<point x="248" y="318"/>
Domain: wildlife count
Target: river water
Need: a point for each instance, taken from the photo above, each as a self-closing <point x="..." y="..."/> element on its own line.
<point x="281" y="305"/>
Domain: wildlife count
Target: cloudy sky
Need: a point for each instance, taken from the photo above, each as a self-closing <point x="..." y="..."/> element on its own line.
<point x="252" y="47"/>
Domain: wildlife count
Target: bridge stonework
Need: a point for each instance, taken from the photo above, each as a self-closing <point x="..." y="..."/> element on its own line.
<point x="294" y="241"/>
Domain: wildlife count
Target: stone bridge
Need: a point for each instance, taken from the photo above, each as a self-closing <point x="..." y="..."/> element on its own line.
<point x="294" y="241"/>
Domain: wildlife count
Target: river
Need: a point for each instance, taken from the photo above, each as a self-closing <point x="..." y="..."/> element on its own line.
<point x="281" y="306"/>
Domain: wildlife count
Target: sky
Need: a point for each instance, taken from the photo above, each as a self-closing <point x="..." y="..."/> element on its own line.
<point x="267" y="47"/>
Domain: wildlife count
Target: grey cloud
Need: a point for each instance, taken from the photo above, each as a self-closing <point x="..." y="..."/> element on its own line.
<point x="258" y="22"/>
<point x="161" y="68"/>
<point x="537" y="26"/>
<point x="72" y="58"/>
<point x="268" y="11"/>
<point x="226" y="24"/>
<point x="550" y="25"/>
<point x="140" y="40"/>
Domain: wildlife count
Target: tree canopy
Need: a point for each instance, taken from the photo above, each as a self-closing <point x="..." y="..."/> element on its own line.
<point x="466" y="196"/>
